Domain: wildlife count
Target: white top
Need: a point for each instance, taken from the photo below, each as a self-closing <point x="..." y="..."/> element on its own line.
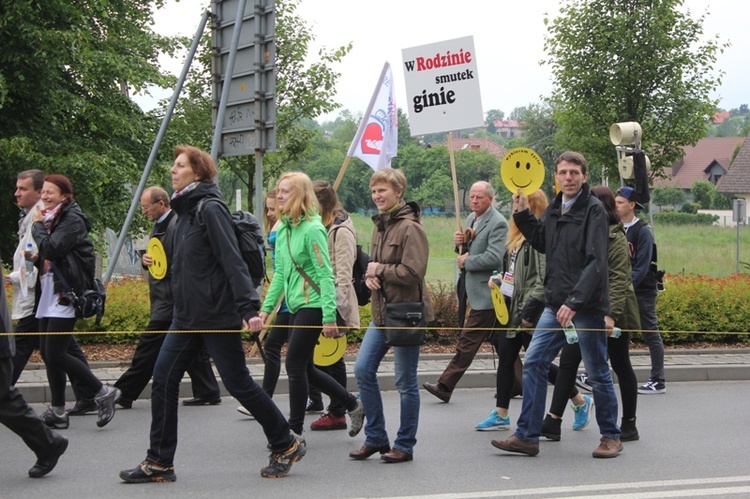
<point x="48" y="303"/>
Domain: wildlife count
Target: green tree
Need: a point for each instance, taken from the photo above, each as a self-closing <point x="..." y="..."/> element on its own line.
<point x="614" y="61"/>
<point x="669" y="196"/>
<point x="65" y="72"/>
<point x="493" y="115"/>
<point x="702" y="191"/>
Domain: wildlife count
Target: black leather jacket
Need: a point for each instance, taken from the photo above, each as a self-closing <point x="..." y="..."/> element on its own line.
<point x="69" y="247"/>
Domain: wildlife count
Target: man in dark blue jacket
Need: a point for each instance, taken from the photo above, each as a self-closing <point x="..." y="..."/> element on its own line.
<point x="573" y="233"/>
<point x="16" y="415"/>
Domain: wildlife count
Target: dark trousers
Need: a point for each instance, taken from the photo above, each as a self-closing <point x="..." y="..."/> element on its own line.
<point x="176" y="354"/>
<point x="60" y="363"/>
<point x="21" y="419"/>
<point x="25" y="346"/>
<point x="134" y="380"/>
<point x="301" y="369"/>
<point x="619" y="356"/>
<point x="337" y="371"/>
<point x="275" y="339"/>
<point x="467" y="346"/>
<point x="509" y="380"/>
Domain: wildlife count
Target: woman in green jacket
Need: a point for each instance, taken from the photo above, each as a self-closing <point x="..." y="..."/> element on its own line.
<point x="303" y="273"/>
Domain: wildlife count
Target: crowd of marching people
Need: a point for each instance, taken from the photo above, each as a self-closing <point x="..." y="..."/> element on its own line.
<point x="565" y="266"/>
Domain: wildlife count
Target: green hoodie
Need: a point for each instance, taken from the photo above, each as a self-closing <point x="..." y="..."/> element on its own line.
<point x="309" y="246"/>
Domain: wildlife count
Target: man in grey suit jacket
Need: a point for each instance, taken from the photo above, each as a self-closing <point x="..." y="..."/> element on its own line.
<point x="487" y="230"/>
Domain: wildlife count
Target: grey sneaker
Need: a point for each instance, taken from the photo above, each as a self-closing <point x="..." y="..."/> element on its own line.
<point x="280" y="464"/>
<point x="357" y="415"/>
<point x="106" y="405"/>
<point x="54" y="420"/>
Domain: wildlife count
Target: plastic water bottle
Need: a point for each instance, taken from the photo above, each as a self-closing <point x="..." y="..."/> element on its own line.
<point x="29" y="263"/>
<point x="616" y="332"/>
<point x="496" y="280"/>
<point x="571" y="335"/>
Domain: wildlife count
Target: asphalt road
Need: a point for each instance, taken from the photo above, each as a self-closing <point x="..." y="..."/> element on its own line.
<point x="694" y="442"/>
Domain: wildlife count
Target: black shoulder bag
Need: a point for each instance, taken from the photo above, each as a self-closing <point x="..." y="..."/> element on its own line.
<point x="90" y="304"/>
<point x="404" y="322"/>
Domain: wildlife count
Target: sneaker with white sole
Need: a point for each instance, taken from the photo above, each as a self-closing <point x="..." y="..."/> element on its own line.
<point x="493" y="423"/>
<point x="280" y="463"/>
<point x="652" y="387"/>
<point x="583" y="412"/>
<point x="54" y="420"/>
<point x="582" y="382"/>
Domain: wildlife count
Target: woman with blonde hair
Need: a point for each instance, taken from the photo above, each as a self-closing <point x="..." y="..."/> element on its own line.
<point x="527" y="267"/>
<point x="303" y="273"/>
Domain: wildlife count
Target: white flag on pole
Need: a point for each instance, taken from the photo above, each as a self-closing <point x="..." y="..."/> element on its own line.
<point x="376" y="140"/>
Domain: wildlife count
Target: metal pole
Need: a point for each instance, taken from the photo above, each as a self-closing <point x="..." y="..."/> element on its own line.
<point x="155" y="148"/>
<point x="228" y="72"/>
<point x="261" y="111"/>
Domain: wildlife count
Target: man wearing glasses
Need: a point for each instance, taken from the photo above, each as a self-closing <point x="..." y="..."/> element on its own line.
<point x="155" y="205"/>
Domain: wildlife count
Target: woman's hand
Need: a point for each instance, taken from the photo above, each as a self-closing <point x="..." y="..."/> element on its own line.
<point x="331" y="330"/>
<point x="36" y="215"/>
<point x="372" y="283"/>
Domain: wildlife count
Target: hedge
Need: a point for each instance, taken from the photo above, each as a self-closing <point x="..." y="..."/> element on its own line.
<point x="693" y="308"/>
<point x="675" y="218"/>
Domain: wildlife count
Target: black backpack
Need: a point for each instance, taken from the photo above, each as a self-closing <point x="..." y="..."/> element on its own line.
<point x="359" y="269"/>
<point x="249" y="239"/>
<point x="655" y="276"/>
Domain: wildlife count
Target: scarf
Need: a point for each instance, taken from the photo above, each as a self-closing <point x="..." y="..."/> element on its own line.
<point x="186" y="189"/>
<point x="49" y="217"/>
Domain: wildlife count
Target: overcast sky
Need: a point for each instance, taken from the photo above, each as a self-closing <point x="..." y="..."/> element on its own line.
<point x="508" y="41"/>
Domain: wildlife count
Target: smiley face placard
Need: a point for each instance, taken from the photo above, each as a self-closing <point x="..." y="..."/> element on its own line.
<point x="522" y="168"/>
<point x="329" y="350"/>
<point x="158" y="267"/>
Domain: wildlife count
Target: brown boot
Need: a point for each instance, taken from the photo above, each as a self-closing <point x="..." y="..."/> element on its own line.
<point x="609" y="447"/>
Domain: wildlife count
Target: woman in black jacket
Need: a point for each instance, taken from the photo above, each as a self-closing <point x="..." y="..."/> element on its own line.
<point x="213" y="293"/>
<point x="61" y="231"/>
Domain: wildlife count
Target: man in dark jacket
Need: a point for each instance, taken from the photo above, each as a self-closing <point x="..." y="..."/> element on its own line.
<point x="573" y="233"/>
<point x="155" y="205"/>
<point x="16" y="415"/>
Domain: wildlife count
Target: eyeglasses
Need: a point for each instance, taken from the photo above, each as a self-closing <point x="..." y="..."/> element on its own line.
<point x="146" y="207"/>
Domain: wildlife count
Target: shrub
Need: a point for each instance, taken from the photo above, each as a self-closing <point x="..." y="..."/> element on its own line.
<point x="690" y="208"/>
<point x="126" y="314"/>
<point x="445" y="305"/>
<point x="695" y="305"/>
<point x="669" y="218"/>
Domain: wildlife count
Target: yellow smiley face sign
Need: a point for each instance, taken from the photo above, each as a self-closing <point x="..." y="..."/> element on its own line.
<point x="522" y="168"/>
<point x="329" y="350"/>
<point x="158" y="267"/>
<point x="501" y="309"/>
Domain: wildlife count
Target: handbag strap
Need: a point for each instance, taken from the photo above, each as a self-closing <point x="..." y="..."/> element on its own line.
<point x="297" y="266"/>
<point x="62" y="279"/>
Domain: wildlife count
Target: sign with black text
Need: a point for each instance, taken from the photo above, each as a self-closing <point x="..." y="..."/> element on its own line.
<point x="442" y="86"/>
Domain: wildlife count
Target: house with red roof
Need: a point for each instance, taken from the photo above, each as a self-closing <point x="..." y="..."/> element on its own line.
<point x="737" y="180"/>
<point x="707" y="160"/>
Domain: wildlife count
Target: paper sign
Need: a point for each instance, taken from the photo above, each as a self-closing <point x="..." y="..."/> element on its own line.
<point x="522" y="168"/>
<point x="442" y="87"/>
<point x="158" y="267"/>
<point x="329" y="350"/>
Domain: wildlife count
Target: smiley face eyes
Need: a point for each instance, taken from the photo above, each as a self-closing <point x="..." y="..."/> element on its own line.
<point x="518" y="165"/>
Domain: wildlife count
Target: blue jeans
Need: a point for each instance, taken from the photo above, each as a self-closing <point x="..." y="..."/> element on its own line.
<point x="546" y="343"/>
<point x="177" y="352"/>
<point x="371" y="352"/>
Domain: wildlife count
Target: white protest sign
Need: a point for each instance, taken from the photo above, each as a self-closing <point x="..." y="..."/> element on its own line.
<point x="442" y="86"/>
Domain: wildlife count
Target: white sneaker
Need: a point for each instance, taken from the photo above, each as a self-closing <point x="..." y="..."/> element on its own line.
<point x="241" y="409"/>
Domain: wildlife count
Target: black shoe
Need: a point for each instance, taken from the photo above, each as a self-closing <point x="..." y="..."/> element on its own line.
<point x="149" y="472"/>
<point x="314" y="406"/>
<point x="124" y="403"/>
<point x="83" y="407"/>
<point x="438" y="391"/>
<point x="47" y="464"/>
<point x="551" y="428"/>
<point x="106" y="405"/>
<point x="196" y="401"/>
<point x="629" y="431"/>
<point x="280" y="464"/>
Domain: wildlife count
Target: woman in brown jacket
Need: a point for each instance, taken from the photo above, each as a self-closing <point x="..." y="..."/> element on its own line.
<point x="399" y="262"/>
